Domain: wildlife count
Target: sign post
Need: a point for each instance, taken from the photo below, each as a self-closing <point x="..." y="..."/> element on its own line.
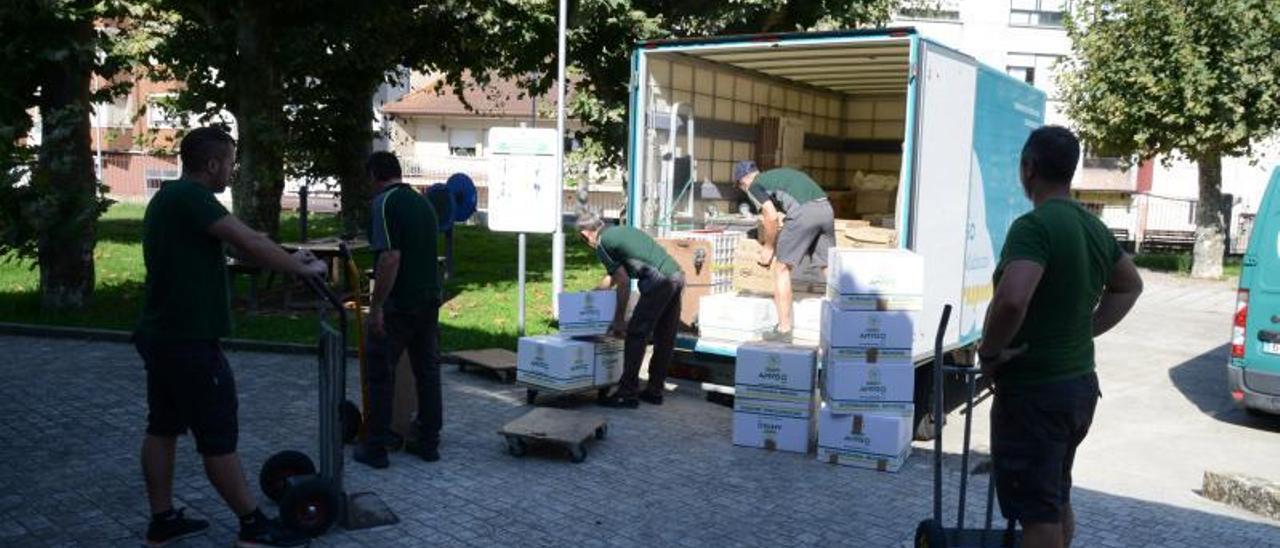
<point x="524" y="192"/>
<point x="557" y="240"/>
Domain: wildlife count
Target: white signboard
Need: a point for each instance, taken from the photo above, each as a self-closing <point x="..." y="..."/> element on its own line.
<point x="522" y="180"/>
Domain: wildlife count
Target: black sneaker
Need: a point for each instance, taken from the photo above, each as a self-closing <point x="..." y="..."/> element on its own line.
<point x="424" y="451"/>
<point x="174" y="527"/>
<point x="651" y="399"/>
<point x="269" y="532"/>
<point x="620" y="402"/>
<point x="371" y="456"/>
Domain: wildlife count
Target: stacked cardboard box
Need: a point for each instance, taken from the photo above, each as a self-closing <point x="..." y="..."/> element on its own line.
<point x="587" y="313"/>
<point x="581" y="356"/>
<point x="806" y="316"/>
<point x="868" y="377"/>
<point x="734" y="318"/>
<point x="556" y="363"/>
<point x="774" y="397"/>
<point x="864" y="440"/>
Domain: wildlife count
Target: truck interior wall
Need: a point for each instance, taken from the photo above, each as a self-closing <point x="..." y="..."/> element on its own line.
<point x="861" y="184"/>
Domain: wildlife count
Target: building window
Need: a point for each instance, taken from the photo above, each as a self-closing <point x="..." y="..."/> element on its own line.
<point x="931" y="10"/>
<point x="1038" y="13"/>
<point x="1094" y="208"/>
<point x="464" y="142"/>
<point x="1026" y="74"/>
<point x="116" y="114"/>
<point x="159" y="113"/>
<point x="1034" y="69"/>
<point x="156" y="177"/>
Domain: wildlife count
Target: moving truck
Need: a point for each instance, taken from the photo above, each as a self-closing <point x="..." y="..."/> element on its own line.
<point x="901" y="131"/>
<point x="1253" y="374"/>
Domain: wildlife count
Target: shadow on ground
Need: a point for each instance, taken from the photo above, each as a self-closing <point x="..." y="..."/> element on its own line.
<point x="1203" y="381"/>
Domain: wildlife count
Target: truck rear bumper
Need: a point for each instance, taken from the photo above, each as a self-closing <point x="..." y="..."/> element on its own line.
<point x="1247" y="389"/>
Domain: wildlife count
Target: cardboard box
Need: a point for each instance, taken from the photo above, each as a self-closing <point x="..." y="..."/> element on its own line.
<point x="867" y="440"/>
<point x="587" y="312"/>
<point x="750" y="277"/>
<point x="609" y="360"/>
<point x="773" y="433"/>
<point x="739" y="313"/>
<point x="859" y="386"/>
<point x="806" y="314"/>
<point x="890" y="333"/>
<point x="875" y="279"/>
<point x="799" y="408"/>
<point x="556" y="363"/>
<point x="868" y="237"/>
<point x="775" y="371"/>
<point x="876" y="201"/>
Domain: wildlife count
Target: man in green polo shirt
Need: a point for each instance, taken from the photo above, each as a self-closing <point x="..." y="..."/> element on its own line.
<point x="1062" y="280"/>
<point x="186" y="312"/>
<point x="628" y="253"/>
<point x="808" y="227"/>
<point x="404" y="313"/>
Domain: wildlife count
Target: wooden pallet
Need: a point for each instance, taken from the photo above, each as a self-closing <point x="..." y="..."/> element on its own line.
<point x="560" y="427"/>
<point x="499" y="361"/>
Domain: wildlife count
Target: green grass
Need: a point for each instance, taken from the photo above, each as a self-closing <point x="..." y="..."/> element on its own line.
<point x="480" y="311"/>
<point x="1180" y="263"/>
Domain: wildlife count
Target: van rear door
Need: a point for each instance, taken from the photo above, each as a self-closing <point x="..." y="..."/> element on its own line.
<point x="1261" y="277"/>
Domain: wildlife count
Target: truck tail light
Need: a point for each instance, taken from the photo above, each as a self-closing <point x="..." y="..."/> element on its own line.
<point x="1238" y="325"/>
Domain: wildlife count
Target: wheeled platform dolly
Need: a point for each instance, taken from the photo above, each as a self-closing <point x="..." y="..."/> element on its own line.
<point x="931" y="533"/>
<point x="312" y="501"/>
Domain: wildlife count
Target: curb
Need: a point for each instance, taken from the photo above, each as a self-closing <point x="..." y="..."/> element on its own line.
<point x="1253" y="494"/>
<point x="124" y="337"/>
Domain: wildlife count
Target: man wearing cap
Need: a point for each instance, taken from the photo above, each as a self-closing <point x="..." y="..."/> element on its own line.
<point x="807" y="227"/>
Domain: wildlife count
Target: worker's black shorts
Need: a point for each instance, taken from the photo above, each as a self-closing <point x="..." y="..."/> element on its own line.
<point x="1035" y="431"/>
<point x="190" y="386"/>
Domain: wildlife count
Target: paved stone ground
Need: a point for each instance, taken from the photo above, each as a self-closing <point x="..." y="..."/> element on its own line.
<point x="667" y="476"/>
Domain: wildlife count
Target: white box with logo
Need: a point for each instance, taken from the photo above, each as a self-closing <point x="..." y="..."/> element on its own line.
<point x="806" y="316"/>
<point x="887" y="331"/>
<point x="772" y="432"/>
<point x="866" y="440"/>
<point x="875" y="279"/>
<point x="866" y="379"/>
<point x="587" y="312"/>
<point x="734" y="313"/>
<point x="555" y="363"/>
<point x="609" y="360"/>
<point x="775" y="371"/>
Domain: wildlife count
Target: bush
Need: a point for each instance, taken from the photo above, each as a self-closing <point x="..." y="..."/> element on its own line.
<point x="1165" y="262"/>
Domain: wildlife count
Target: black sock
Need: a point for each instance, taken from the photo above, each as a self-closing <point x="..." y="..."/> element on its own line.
<point x="253" y="518"/>
<point x="165" y="515"/>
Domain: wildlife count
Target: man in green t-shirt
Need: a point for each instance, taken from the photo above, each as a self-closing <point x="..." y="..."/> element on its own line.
<point x="628" y="253"/>
<point x="186" y="312"/>
<point x="808" y="227"/>
<point x="404" y="314"/>
<point x="1062" y="280"/>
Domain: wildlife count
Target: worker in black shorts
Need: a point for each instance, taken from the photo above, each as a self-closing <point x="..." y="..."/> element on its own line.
<point x="1061" y="281"/>
<point x="186" y="312"/>
<point x="808" y="228"/>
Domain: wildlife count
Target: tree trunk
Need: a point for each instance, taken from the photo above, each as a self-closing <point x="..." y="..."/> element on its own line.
<point x="65" y="163"/>
<point x="259" y="110"/>
<point x="1210" y="226"/>
<point x="353" y="142"/>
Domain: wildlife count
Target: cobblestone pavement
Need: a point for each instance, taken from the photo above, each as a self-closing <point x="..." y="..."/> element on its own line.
<point x="666" y="476"/>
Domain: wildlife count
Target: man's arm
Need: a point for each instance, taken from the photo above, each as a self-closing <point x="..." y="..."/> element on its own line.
<point x="388" y="268"/>
<point x="1008" y="310"/>
<point x="623" y="282"/>
<point x="605" y="283"/>
<point x="259" y="249"/>
<point x="1121" y="293"/>
<point x="769" y="217"/>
